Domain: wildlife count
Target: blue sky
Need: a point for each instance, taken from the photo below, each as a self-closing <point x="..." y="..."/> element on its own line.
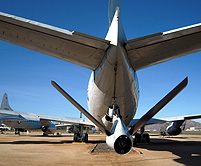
<point x="25" y="75"/>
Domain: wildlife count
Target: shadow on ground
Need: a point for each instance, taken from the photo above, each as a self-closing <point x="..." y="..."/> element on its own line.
<point x="49" y="142"/>
<point x="188" y="151"/>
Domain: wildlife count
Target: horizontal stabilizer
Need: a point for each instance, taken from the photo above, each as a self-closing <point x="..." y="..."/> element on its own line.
<point x="161" y="47"/>
<point x="71" y="46"/>
<point x="80" y="108"/>
<point x="153" y="111"/>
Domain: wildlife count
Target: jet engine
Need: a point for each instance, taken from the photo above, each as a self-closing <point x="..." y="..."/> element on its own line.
<point x="171" y="130"/>
<point x="120" y="139"/>
<point x="174" y="128"/>
<point x="50" y="129"/>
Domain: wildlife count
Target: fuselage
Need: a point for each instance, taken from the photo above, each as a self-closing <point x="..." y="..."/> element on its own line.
<point x="114" y="78"/>
<point x="25" y="121"/>
<point x="26" y="124"/>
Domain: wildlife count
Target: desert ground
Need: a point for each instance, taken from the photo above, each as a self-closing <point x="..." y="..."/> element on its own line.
<point x="34" y="149"/>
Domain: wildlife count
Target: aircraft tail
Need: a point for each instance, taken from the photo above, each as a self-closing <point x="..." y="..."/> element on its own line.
<point x="4" y="104"/>
<point x="113" y="4"/>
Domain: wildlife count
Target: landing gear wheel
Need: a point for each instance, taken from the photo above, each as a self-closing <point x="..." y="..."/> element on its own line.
<point x="45" y="135"/>
<point x="76" y="137"/>
<point x="145" y="138"/>
<point x="137" y="138"/>
<point x="85" y="138"/>
<point x="17" y="132"/>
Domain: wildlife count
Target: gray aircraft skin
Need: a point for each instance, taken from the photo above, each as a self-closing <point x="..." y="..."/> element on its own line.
<point x="22" y="121"/>
<point x="113" y="90"/>
<point x="25" y="121"/>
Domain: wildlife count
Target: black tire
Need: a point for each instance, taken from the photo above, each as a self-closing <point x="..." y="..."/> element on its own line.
<point x="145" y="138"/>
<point x="137" y="138"/>
<point x="76" y="137"/>
<point x="85" y="138"/>
<point x="45" y="135"/>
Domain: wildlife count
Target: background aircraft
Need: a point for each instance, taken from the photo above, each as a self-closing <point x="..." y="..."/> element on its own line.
<point x="157" y="45"/>
<point x="4" y="128"/>
<point x="22" y="121"/>
<point x="175" y="128"/>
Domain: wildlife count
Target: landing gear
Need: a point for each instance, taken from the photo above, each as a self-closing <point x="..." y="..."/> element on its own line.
<point x="79" y="136"/>
<point x="58" y="134"/>
<point x="45" y="135"/>
<point x="76" y="137"/>
<point x="17" y="132"/>
<point x="137" y="138"/>
<point x="145" y="138"/>
<point x="85" y="137"/>
<point x="142" y="138"/>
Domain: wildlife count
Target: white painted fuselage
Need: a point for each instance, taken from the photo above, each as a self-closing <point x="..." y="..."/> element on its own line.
<point x="102" y="85"/>
<point x="24" y="121"/>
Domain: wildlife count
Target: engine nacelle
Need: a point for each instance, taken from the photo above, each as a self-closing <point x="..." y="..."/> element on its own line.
<point x="120" y="140"/>
<point x="174" y="128"/>
<point x="50" y="129"/>
<point x="171" y="130"/>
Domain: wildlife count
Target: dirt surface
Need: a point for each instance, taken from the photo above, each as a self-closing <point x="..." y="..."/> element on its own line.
<point x="103" y="148"/>
<point x="34" y="149"/>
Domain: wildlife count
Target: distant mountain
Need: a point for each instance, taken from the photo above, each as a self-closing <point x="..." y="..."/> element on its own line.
<point x="162" y="127"/>
<point x="190" y="123"/>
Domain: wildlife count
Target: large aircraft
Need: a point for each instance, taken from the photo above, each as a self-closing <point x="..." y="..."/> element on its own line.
<point x="22" y="121"/>
<point x="113" y="89"/>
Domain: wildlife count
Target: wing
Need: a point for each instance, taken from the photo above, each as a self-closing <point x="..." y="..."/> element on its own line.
<point x="6" y="115"/>
<point x="161" y="47"/>
<point x="74" y="47"/>
<point x="168" y="119"/>
<point x="74" y="121"/>
<point x="9" y="112"/>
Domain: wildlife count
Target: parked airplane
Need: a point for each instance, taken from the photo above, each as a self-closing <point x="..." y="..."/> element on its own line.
<point x="174" y="129"/>
<point x="22" y="121"/>
<point x="4" y="128"/>
<point x="113" y="91"/>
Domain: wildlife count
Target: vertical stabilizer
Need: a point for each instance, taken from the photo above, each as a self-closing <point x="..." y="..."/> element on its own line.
<point x="5" y="104"/>
<point x="113" y="4"/>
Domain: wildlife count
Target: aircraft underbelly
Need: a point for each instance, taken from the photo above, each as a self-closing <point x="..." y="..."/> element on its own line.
<point x="23" y="124"/>
<point x="103" y="85"/>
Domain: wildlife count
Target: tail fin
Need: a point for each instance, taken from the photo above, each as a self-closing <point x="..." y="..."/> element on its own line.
<point x="113" y="4"/>
<point x="5" y="104"/>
